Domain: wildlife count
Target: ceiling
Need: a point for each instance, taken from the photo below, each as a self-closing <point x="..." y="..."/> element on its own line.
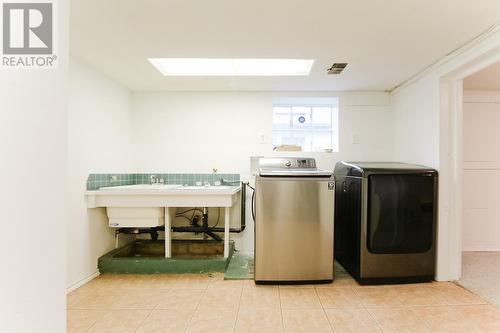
<point x="486" y="79"/>
<point x="384" y="41"/>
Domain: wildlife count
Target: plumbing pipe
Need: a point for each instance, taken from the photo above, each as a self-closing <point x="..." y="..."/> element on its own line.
<point x="196" y="228"/>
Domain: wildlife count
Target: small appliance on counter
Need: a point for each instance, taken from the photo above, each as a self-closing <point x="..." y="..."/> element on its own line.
<point x="385" y="221"/>
<point x="294" y="211"/>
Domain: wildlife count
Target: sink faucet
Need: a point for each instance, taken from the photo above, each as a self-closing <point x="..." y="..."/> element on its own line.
<point x="152" y="179"/>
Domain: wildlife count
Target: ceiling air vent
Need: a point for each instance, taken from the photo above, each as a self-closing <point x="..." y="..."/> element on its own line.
<point x="337" y="68"/>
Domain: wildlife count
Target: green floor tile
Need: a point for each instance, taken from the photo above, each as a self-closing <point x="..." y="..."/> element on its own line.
<point x="241" y="267"/>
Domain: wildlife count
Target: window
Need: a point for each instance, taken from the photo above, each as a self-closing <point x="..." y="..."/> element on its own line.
<point x="312" y="127"/>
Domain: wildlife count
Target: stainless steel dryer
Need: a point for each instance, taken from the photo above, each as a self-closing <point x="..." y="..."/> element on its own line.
<point x="385" y="221"/>
<point x="294" y="208"/>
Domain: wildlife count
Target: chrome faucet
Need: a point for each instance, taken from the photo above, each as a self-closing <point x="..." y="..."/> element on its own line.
<point x="152" y="179"/>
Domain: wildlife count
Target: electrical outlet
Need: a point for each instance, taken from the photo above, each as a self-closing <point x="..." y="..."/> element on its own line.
<point x="356" y="140"/>
<point x="262" y="138"/>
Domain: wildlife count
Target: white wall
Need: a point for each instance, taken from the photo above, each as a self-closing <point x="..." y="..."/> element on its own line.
<point x="99" y="140"/>
<point x="198" y="131"/>
<point x="426" y="133"/>
<point x="417" y="104"/>
<point x="32" y="194"/>
<point x="416" y="123"/>
<point x="481" y="174"/>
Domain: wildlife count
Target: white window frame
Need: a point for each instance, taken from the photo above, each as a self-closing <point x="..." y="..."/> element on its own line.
<point x="331" y="102"/>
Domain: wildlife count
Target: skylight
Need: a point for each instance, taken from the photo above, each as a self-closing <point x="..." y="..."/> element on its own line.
<point x="232" y="67"/>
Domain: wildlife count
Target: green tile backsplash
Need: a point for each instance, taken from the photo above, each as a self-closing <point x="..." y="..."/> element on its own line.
<point x="98" y="180"/>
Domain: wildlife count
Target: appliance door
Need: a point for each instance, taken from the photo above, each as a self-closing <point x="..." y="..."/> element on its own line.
<point x="294" y="229"/>
<point x="400" y="213"/>
<point x="398" y="225"/>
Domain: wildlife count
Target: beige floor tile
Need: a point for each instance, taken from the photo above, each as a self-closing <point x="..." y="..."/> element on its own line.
<point x="119" y="321"/>
<point x="72" y="299"/>
<point x="112" y="282"/>
<point x="138" y="299"/>
<point x="221" y="298"/>
<point x="158" y="281"/>
<point x="79" y="321"/>
<point x="352" y="321"/>
<point x="412" y="295"/>
<point x="118" y="281"/>
<point x="206" y="303"/>
<point x="456" y="295"/>
<point x="374" y="296"/>
<point x="219" y="320"/>
<point x="226" y="284"/>
<point x="96" y="300"/>
<point x="260" y="297"/>
<point x="132" y="281"/>
<point x="250" y="284"/>
<point x="305" y="320"/>
<point x="458" y="319"/>
<point x="155" y="281"/>
<point x="258" y="320"/>
<point x="161" y="321"/>
<point x="189" y="281"/>
<point x="338" y="298"/>
<point x="445" y="319"/>
<point x="300" y="286"/>
<point x="90" y="286"/>
<point x="487" y="317"/>
<point x="82" y="293"/>
<point x="176" y="299"/>
<point x="343" y="280"/>
<point x="103" y="280"/>
<point x="480" y="274"/>
<point x="299" y="298"/>
<point x="142" y="281"/>
<point x="398" y="320"/>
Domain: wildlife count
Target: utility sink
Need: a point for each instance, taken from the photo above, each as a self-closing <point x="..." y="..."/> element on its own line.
<point x="142" y="187"/>
<point x="211" y="188"/>
<point x="144" y="205"/>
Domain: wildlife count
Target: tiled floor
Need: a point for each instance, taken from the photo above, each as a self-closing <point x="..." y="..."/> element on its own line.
<point x="481" y="273"/>
<point x="207" y="303"/>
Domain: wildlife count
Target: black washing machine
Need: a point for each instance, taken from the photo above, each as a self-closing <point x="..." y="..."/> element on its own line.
<point x="385" y="221"/>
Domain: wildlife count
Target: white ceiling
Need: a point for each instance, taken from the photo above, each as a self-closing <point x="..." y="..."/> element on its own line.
<point x="486" y="79"/>
<point x="384" y="41"/>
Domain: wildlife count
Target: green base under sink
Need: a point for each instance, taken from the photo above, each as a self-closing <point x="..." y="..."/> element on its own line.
<point x="148" y="257"/>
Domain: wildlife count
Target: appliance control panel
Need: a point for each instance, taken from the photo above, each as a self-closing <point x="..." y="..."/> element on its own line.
<point x="287" y="163"/>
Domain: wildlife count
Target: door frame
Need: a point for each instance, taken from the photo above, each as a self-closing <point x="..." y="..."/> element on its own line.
<point x="449" y="242"/>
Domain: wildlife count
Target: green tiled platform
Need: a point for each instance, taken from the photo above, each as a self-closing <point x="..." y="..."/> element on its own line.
<point x="241" y="267"/>
<point x="148" y="257"/>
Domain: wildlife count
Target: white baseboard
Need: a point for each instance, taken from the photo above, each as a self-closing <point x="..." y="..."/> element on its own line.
<point x="80" y="283"/>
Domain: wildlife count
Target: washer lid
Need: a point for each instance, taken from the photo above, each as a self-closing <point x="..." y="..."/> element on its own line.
<point x="311" y="172"/>
<point x="291" y="167"/>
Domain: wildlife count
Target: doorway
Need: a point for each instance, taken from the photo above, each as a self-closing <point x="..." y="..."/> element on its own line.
<point x="481" y="183"/>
